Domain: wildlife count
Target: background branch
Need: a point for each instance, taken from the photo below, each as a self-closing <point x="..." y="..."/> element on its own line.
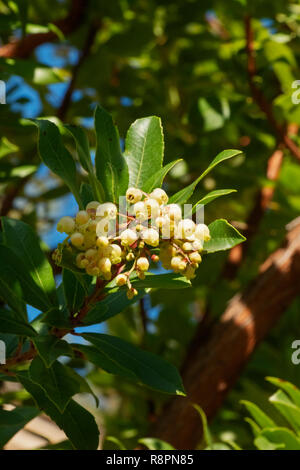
<point x="213" y="365"/>
<point x="24" y="47"/>
<point x="258" y="96"/>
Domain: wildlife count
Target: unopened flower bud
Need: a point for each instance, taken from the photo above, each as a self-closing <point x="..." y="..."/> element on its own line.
<point x="186" y="228"/>
<point x="92" y="270"/>
<point x="130" y="257"/>
<point x="128" y="237"/>
<point x="104" y="265"/>
<point x="189" y="272"/>
<point x="115" y="253"/>
<point x="66" y="224"/>
<point x="81" y="261"/>
<point x="160" y="196"/>
<point x="140" y="211"/>
<point x="92" y="226"/>
<point x="152" y="207"/>
<point x="173" y="211"/>
<point x="133" y="195"/>
<point x="175" y="262"/>
<point x="155" y="258"/>
<point x="92" y="205"/>
<point x="142" y="264"/>
<point x="197" y="245"/>
<point x="102" y="228"/>
<point x="102" y="241"/>
<point x="82" y="218"/>
<point x="77" y="239"/>
<point x="195" y="257"/>
<point x="90" y="254"/>
<point x="131" y="293"/>
<point x="121" y="280"/>
<point x="108" y="209"/>
<point x="151" y="237"/>
<point x="187" y="246"/>
<point x="202" y="232"/>
<point x="160" y="221"/>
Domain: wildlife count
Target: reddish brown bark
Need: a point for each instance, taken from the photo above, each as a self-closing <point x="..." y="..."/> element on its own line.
<point x="213" y="364"/>
<point x="259" y="98"/>
<point x="24" y="47"/>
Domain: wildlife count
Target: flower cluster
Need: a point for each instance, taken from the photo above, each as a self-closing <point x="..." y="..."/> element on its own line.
<point x="109" y="244"/>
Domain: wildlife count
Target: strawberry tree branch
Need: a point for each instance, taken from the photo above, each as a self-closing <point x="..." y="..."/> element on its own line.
<point x="258" y="96"/>
<point x="217" y="357"/>
<point x="23" y="48"/>
<point x="61" y="114"/>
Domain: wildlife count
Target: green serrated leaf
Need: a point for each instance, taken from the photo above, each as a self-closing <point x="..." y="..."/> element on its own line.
<point x="286" y="407"/>
<point x="162" y="281"/>
<point x="281" y="438"/>
<point x="73" y="290"/>
<point x="144" y="149"/>
<point x="50" y="347"/>
<point x="153" y="443"/>
<point x="57" y="318"/>
<point x="259" y="416"/>
<point x="83" y="151"/>
<point x="111" y="167"/>
<point x="56" y="156"/>
<point x="156" y="180"/>
<point x="16" y="284"/>
<point x="58" y="384"/>
<point x="11" y="323"/>
<point x="182" y="196"/>
<point x="13" y="421"/>
<point x="22" y="240"/>
<point x="78" y="424"/>
<point x="288" y="387"/>
<point x="223" y="236"/>
<point x="211" y="197"/>
<point x="117" y="356"/>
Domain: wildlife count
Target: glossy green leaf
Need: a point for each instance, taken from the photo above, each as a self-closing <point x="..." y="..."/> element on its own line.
<point x="51" y="347"/>
<point x="206" y="432"/>
<point x="156" y="180"/>
<point x="182" y="196"/>
<point x="13" y="421"/>
<point x="162" y="281"/>
<point x="153" y="443"/>
<point x="223" y="236"/>
<point x="288" y="387"/>
<point x="211" y="197"/>
<point x="111" y="167"/>
<point x="286" y="407"/>
<point x="144" y="150"/>
<point x="262" y="443"/>
<point x="77" y="423"/>
<point x="11" y="323"/>
<point x="117" y="356"/>
<point x="16" y="285"/>
<point x="22" y="240"/>
<point x="73" y="290"/>
<point x="56" y="156"/>
<point x="10" y="288"/>
<point x="259" y="416"/>
<point x="83" y="151"/>
<point x="282" y="437"/>
<point x="57" y="318"/>
<point x="114" y="303"/>
<point x="56" y="381"/>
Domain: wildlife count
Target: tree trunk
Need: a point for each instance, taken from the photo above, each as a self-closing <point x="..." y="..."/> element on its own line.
<point x="212" y="367"/>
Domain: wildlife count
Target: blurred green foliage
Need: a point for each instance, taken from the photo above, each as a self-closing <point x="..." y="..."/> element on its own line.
<point x="186" y="62"/>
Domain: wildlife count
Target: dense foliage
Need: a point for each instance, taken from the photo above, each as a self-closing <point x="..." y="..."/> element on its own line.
<point x="221" y="75"/>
